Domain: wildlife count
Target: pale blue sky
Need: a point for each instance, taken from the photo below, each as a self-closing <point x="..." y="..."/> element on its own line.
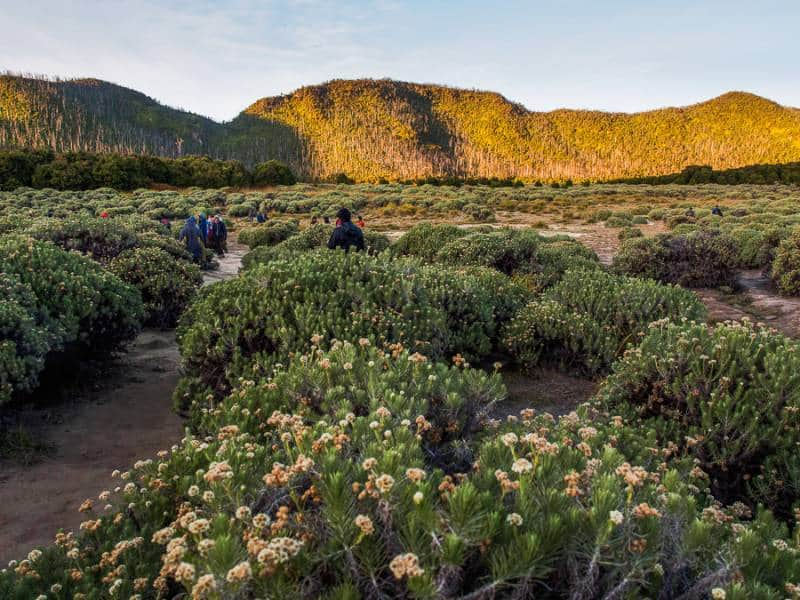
<point x="215" y="58"/>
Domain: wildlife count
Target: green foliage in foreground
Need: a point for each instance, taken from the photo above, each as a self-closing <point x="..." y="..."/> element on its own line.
<point x="726" y="396"/>
<point x="58" y="300"/>
<point x="355" y="473"/>
<point x="588" y="318"/>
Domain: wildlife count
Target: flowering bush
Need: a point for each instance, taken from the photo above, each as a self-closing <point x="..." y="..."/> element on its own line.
<point x="273" y="310"/>
<point x="704" y="258"/>
<point x="84" y="303"/>
<point x="589" y="317"/>
<point x="341" y="497"/>
<point x="166" y="285"/>
<point x="727" y="396"/>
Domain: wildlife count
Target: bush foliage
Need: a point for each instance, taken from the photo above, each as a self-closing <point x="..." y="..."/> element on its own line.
<point x="588" y="318"/>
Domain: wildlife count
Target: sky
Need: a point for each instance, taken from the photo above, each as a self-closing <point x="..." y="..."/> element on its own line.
<point x="216" y="58"/>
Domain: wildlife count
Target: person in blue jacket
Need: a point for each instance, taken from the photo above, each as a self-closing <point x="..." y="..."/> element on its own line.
<point x="194" y="240"/>
<point x="203" y="225"/>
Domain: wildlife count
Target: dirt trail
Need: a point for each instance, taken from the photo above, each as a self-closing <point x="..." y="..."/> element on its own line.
<point x="758" y="301"/>
<point x="127" y="419"/>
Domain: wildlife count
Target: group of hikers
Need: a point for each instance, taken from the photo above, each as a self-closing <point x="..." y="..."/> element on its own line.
<point x="201" y="232"/>
<point x="716" y="211"/>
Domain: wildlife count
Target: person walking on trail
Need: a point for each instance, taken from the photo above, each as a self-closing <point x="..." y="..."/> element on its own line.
<point x="690" y="212"/>
<point x="261" y="217"/>
<point x="190" y="234"/>
<point x="346" y="235"/>
<point x="716" y="211"/>
<point x="220" y="235"/>
<point x="203" y="225"/>
<point x="360" y="221"/>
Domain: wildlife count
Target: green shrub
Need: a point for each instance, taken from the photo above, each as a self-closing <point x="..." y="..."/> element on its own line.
<point x="353" y="473"/>
<point x="701" y="259"/>
<point x="757" y="247"/>
<point x="618" y="221"/>
<point x="639" y="220"/>
<point x="426" y="239"/>
<point x="276" y="308"/>
<point x="506" y="250"/>
<point x="89" y="306"/>
<point x="628" y="233"/>
<point x="24" y="342"/>
<point x="785" y="270"/>
<point x="588" y="318"/>
<point x="727" y="396"/>
<point x="101" y="239"/>
<point x="166" y="285"/>
<point x="268" y="234"/>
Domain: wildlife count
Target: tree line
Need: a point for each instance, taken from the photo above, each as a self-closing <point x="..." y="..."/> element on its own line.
<point x="788" y="173"/>
<point x="84" y="171"/>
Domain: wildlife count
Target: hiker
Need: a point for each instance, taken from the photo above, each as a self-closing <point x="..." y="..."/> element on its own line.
<point x="203" y="225"/>
<point x="326" y="220"/>
<point x="360" y="221"/>
<point x="346" y="234"/>
<point x="261" y="217"/>
<point x="165" y="222"/>
<point x="220" y="233"/>
<point x="104" y="214"/>
<point x="314" y="220"/>
<point x="717" y="211"/>
<point x="690" y="212"/>
<point x="194" y="241"/>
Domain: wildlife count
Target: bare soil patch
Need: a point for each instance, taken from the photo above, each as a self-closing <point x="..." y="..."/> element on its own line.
<point x="545" y="390"/>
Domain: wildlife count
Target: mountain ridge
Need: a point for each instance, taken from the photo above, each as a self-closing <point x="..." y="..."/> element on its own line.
<point x="372" y="129"/>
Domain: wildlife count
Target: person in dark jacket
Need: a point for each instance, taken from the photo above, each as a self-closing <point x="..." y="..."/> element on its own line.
<point x="194" y="241"/>
<point x="716" y="211"/>
<point x="220" y="233"/>
<point x="346" y="235"/>
<point x="261" y="217"/>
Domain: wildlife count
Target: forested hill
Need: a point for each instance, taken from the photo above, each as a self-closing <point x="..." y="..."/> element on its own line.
<point x="372" y="129"/>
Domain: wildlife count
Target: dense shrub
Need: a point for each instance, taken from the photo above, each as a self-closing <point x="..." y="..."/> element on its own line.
<point x="785" y="270"/>
<point x="757" y="247"/>
<point x="588" y="318"/>
<point x="323" y="479"/>
<point x="86" y="304"/>
<point x="166" y="285"/>
<point x="727" y="396"/>
<point x="101" y="239"/>
<point x="268" y="234"/>
<point x="276" y="309"/>
<point x="628" y="233"/>
<point x="312" y="238"/>
<point x="426" y="239"/>
<point x="700" y="259"/>
<point x="506" y="250"/>
<point x="24" y="342"/>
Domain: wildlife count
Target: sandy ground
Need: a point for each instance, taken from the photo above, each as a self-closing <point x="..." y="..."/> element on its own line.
<point x="106" y="429"/>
